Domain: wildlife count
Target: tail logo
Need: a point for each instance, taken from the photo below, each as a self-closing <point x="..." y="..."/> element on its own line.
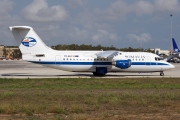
<point x="176" y="50"/>
<point x="29" y="42"/>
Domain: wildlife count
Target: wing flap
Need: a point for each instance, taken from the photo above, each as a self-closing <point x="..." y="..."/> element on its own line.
<point x="107" y="54"/>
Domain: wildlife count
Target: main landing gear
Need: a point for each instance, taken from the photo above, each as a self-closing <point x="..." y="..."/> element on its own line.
<point x="161" y="73"/>
<point x="99" y="74"/>
<point x="100" y="71"/>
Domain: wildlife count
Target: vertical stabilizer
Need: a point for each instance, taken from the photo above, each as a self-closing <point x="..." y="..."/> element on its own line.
<point x="29" y="42"/>
<point x="175" y="47"/>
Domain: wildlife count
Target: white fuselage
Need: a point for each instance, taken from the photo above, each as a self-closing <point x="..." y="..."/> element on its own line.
<point x="33" y="49"/>
<point x="87" y="61"/>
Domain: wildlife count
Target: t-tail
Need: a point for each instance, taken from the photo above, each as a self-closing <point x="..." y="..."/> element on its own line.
<point x="29" y="42"/>
<point x="175" y="47"/>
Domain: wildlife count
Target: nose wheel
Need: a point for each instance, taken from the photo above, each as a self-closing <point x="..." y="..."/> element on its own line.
<point x="161" y="74"/>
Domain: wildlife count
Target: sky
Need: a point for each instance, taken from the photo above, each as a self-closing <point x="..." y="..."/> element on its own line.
<point x="118" y="23"/>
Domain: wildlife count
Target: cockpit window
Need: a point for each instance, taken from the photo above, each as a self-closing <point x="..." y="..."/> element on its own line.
<point x="158" y="58"/>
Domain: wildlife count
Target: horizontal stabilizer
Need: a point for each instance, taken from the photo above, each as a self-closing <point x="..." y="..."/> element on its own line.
<point x="19" y="27"/>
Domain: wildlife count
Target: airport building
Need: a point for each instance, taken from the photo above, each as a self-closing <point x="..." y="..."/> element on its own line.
<point x="10" y="52"/>
<point x="2" y="52"/>
<point x="159" y="51"/>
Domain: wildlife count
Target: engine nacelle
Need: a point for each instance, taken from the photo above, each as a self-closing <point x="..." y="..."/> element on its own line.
<point x="123" y="64"/>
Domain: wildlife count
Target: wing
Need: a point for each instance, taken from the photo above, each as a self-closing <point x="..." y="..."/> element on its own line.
<point x="107" y="54"/>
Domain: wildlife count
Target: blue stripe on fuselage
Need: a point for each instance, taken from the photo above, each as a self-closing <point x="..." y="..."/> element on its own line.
<point x="94" y="63"/>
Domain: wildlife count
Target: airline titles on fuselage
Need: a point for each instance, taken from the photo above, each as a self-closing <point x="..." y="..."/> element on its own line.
<point x="136" y="57"/>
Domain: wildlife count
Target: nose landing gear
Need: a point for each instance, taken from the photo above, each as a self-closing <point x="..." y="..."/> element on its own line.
<point x="162" y="73"/>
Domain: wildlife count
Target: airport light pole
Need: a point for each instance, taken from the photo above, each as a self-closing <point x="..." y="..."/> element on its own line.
<point x="171" y="35"/>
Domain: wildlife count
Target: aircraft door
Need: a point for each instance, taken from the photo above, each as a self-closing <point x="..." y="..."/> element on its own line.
<point x="58" y="60"/>
<point x="148" y="60"/>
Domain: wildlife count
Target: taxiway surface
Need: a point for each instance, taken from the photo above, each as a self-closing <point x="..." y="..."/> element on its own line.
<point x="23" y="69"/>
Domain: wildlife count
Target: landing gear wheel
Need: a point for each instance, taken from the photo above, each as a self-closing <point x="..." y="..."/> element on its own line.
<point x="161" y="74"/>
<point x="100" y="71"/>
<point x="96" y="74"/>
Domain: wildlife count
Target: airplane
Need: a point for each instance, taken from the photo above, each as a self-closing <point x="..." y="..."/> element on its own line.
<point x="34" y="50"/>
<point x="176" y="52"/>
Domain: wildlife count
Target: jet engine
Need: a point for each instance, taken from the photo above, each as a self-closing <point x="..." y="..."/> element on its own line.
<point x="123" y="64"/>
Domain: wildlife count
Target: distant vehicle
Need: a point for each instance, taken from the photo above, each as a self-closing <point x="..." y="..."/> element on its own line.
<point x="170" y="60"/>
<point x="174" y="60"/>
<point x="34" y="50"/>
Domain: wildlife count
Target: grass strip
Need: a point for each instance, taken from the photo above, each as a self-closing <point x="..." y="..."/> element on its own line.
<point x="85" y="98"/>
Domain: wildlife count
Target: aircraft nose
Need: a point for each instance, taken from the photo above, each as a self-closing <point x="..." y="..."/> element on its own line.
<point x="171" y="66"/>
